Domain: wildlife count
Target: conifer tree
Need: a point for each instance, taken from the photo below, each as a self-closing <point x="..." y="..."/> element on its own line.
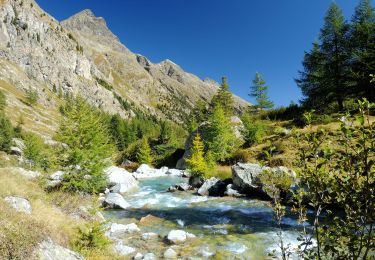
<point x="259" y="90"/>
<point x="197" y="164"/>
<point x="362" y="44"/>
<point x="336" y="57"/>
<point x="221" y="140"/>
<point x="144" y="153"/>
<point x="224" y="98"/>
<point x="88" y="147"/>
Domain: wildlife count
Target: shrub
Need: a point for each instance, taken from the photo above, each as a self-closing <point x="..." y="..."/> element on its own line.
<point x="91" y="236"/>
<point x="34" y="147"/>
<point x="104" y="84"/>
<point x="254" y="130"/>
<point x="6" y="133"/>
<point x="32" y="97"/>
<point x="3" y="101"/>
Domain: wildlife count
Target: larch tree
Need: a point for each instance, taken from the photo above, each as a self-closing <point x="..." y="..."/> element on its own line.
<point x="144" y="153"/>
<point x="259" y="90"/>
<point x="196" y="163"/>
<point x="224" y="98"/>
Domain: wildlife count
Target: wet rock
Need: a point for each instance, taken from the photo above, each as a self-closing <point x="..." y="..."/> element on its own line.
<point x="232" y="192"/>
<point x="145" y="171"/>
<point x="179" y="236"/>
<point x="150" y="219"/>
<point x="180" y="187"/>
<point x="19" y="204"/>
<point x="149" y="256"/>
<point x="115" y="201"/>
<point x="196" y="182"/>
<point x="121" y="179"/>
<point x="122" y="249"/>
<point x="48" y="250"/>
<point x="170" y="254"/>
<point x="212" y="187"/>
<point x="148" y="236"/>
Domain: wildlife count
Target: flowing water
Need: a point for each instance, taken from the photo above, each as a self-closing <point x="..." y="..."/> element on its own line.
<point x="226" y="228"/>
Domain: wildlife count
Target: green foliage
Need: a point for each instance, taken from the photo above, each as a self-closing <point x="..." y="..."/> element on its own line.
<point x="339" y="64"/>
<point x="32" y="97"/>
<point x="91" y="236"/>
<point x="220" y="140"/>
<point x="3" y="101"/>
<point x="34" y="148"/>
<point x="88" y="147"/>
<point x="254" y="129"/>
<point x="259" y="90"/>
<point x="144" y="153"/>
<point x="6" y="133"/>
<point x="343" y="177"/>
<point x="105" y="84"/>
<point x="223" y="98"/>
<point x="197" y="164"/>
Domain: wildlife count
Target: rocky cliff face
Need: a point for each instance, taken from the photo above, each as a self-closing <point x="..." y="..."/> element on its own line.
<point x="39" y="53"/>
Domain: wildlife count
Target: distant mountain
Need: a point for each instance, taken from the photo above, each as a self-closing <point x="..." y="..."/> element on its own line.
<point x="82" y="56"/>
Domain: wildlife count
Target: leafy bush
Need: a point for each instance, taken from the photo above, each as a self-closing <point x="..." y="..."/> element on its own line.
<point x="91" y="236"/>
<point x="6" y="133"/>
<point x="32" y="97"/>
<point x="254" y="130"/>
<point x="88" y="149"/>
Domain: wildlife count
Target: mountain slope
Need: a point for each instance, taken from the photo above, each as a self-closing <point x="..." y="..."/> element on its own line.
<point x="38" y="53"/>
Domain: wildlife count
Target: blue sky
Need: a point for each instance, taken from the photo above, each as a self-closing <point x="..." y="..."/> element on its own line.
<point x="212" y="38"/>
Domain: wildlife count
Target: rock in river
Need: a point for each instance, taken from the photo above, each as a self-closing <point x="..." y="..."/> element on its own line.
<point x="115" y="201"/>
<point x="121" y="179"/>
<point x="212" y="187"/>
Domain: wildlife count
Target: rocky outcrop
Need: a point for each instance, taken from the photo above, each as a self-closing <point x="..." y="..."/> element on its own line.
<point x="19" y="204"/>
<point x="120" y="179"/>
<point x="246" y="179"/>
<point x="212" y="187"/>
<point x="48" y="250"/>
<point x="115" y="201"/>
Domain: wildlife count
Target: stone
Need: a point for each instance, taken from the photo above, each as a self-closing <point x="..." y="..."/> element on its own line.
<point x="26" y="173"/>
<point x="170" y="254"/>
<point x="16" y="151"/>
<point x="145" y="171"/>
<point x="149" y="235"/>
<point x="212" y="187"/>
<point x="178" y="236"/>
<point x="19" y="143"/>
<point x="122" y="249"/>
<point x="19" y="204"/>
<point x="121" y="180"/>
<point x="180" y="187"/>
<point x="232" y="192"/>
<point x="48" y="250"/>
<point x="115" y="201"/>
<point x="246" y="179"/>
<point x="150" y="219"/>
<point x="149" y="256"/>
<point x="55" y="179"/>
<point x="138" y="256"/>
<point x="196" y="182"/>
<point x="117" y="230"/>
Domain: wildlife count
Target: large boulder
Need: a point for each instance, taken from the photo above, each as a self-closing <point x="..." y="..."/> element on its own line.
<point x="121" y="179"/>
<point x="230" y="191"/>
<point x="212" y="187"/>
<point x="115" y="201"/>
<point x="19" y="204"/>
<point x="246" y="179"/>
<point x="48" y="250"/>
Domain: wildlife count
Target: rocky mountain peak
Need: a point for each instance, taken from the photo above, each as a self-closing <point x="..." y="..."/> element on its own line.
<point x="85" y="22"/>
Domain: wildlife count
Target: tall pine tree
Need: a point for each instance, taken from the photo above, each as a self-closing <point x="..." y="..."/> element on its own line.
<point x="259" y="90"/>
<point x="362" y="43"/>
